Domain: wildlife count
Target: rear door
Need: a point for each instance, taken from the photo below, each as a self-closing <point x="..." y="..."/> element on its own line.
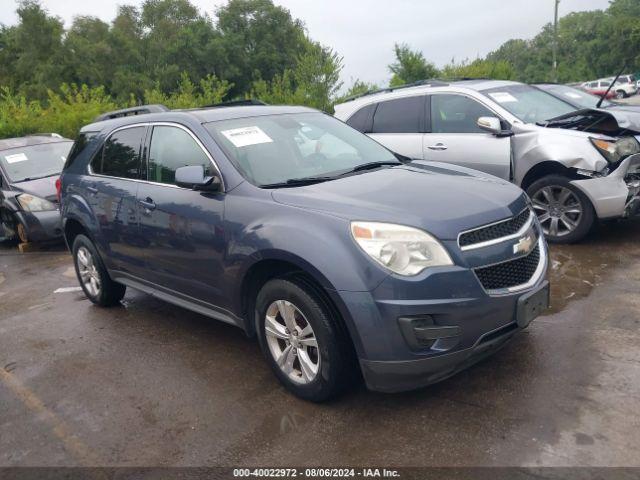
<point x="110" y="190"/>
<point x="184" y="228"/>
<point x="456" y="138"/>
<point x="399" y="125"/>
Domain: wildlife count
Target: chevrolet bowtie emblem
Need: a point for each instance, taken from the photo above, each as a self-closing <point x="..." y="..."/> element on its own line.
<point x="524" y="245"/>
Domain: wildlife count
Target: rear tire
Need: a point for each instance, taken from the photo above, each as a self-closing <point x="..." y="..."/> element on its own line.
<point x="566" y="214"/>
<point x="301" y="340"/>
<point x="93" y="276"/>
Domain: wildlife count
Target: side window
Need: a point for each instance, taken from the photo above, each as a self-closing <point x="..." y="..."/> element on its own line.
<point x="172" y="148"/>
<point x="456" y="114"/>
<point x="120" y="155"/>
<point x="361" y="120"/>
<point x="399" y="116"/>
<point x="593" y="85"/>
<point x="605" y="84"/>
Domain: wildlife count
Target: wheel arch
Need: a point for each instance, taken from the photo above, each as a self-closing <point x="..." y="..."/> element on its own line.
<point x="543" y="169"/>
<point x="297" y="269"/>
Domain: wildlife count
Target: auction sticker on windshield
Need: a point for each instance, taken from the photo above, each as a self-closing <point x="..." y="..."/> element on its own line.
<point x="18" y="157"/>
<point x="246" y="136"/>
<point x="503" y="97"/>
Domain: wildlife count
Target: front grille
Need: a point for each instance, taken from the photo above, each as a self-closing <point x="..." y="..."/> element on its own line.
<point x="495" y="231"/>
<point x="509" y="274"/>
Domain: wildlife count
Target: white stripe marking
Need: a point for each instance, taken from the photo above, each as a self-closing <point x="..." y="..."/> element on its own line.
<point x="68" y="289"/>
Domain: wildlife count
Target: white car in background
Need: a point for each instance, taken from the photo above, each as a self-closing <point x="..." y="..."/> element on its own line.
<point x="577" y="165"/>
<point x="627" y="84"/>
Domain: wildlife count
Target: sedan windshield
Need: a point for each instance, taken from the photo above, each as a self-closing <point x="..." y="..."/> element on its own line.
<point x="575" y="96"/>
<point x="34" y="161"/>
<point x="275" y="149"/>
<point x="528" y="103"/>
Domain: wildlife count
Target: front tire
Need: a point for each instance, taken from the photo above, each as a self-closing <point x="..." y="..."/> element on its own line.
<point x="620" y="94"/>
<point x="93" y="276"/>
<point x="301" y="340"/>
<point x="565" y="213"/>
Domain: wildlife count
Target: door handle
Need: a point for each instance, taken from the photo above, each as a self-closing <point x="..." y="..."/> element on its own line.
<point x="92" y="189"/>
<point x="148" y="204"/>
<point x="437" y="146"/>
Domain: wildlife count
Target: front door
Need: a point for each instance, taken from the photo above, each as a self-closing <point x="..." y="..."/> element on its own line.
<point x="456" y="138"/>
<point x="183" y="227"/>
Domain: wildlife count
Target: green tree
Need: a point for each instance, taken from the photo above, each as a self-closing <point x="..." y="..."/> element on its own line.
<point x="410" y="66"/>
<point x="32" y="51"/>
<point x="479" y="68"/>
<point x="315" y="81"/>
<point x="262" y="40"/>
<point x="358" y="87"/>
<point x="88" y="56"/>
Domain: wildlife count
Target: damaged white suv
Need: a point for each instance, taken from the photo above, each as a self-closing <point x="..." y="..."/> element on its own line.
<point x="577" y="166"/>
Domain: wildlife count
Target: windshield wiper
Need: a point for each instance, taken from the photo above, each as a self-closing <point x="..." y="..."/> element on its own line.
<point x="297" y="182"/>
<point x="371" y="166"/>
<point x="28" y="179"/>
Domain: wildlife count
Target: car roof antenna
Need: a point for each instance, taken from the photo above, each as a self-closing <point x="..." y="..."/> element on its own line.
<point x="604" y="95"/>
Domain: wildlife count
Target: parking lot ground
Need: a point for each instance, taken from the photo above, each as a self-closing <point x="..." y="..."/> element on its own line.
<point x="149" y="384"/>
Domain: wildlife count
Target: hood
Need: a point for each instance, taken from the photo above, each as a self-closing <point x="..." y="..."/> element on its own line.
<point x="437" y="198"/>
<point x="40" y="187"/>
<point x="613" y="121"/>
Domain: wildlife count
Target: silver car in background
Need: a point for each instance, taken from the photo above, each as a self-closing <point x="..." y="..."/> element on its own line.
<point x="577" y="166"/>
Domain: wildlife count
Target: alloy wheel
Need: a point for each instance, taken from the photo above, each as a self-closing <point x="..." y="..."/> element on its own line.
<point x="292" y="342"/>
<point x="88" y="273"/>
<point x="559" y="210"/>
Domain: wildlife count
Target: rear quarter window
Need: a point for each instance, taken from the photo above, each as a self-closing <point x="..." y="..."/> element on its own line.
<point x="361" y="120"/>
<point x="79" y="146"/>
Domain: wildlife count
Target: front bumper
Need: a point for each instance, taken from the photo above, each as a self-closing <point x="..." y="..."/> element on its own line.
<point x="616" y="195"/>
<point x="398" y="376"/>
<point x="41" y="226"/>
<point x="454" y="322"/>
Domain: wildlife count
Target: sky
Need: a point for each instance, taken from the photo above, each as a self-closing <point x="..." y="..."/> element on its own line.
<point x="363" y="32"/>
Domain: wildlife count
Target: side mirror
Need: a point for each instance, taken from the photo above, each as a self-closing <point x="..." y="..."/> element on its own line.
<point x="193" y="177"/>
<point x="493" y="125"/>
<point x="490" y="124"/>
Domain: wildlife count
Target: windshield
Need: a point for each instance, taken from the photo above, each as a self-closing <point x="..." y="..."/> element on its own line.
<point x="274" y="149"/>
<point x="576" y="96"/>
<point x="528" y="103"/>
<point x="34" y="161"/>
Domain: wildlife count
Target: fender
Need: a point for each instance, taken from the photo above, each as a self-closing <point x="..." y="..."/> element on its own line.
<point x="75" y="207"/>
<point x="570" y="149"/>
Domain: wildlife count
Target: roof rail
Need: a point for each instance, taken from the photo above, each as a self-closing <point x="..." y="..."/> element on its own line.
<point x="432" y="82"/>
<point x="127" y="112"/>
<point x="237" y="103"/>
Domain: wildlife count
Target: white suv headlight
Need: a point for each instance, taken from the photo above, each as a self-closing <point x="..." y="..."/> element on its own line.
<point x="616" y="150"/>
<point x="29" y="203"/>
<point x="403" y="250"/>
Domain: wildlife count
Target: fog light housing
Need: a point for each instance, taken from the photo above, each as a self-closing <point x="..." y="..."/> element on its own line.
<point x="421" y="333"/>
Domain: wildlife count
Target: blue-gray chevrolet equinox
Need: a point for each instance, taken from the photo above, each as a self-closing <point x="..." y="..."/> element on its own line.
<point x="341" y="257"/>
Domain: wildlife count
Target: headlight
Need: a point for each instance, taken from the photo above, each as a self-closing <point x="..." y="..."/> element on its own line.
<point x="403" y="250"/>
<point x="30" y="203"/>
<point x="614" y="151"/>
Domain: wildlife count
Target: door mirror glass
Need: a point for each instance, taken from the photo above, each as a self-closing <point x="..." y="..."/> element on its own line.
<point x="490" y="124"/>
<point x="194" y="177"/>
